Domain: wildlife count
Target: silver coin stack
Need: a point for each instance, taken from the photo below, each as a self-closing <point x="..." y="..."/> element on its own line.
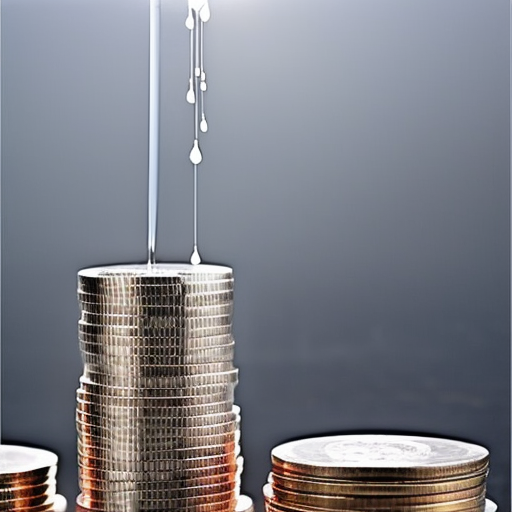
<point x="157" y="426"/>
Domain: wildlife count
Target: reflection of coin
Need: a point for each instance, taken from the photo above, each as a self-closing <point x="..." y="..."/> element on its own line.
<point x="386" y="456"/>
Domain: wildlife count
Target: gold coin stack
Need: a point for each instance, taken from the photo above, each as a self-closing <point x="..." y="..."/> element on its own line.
<point x="27" y="479"/>
<point x="157" y="426"/>
<point x="378" y="473"/>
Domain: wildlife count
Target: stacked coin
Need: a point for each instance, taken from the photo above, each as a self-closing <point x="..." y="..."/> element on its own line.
<point x="157" y="427"/>
<point x="377" y="473"/>
<point x="27" y="479"/>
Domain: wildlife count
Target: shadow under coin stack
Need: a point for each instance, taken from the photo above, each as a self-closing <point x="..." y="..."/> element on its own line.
<point x="157" y="427"/>
<point x="27" y="480"/>
<point x="379" y="473"/>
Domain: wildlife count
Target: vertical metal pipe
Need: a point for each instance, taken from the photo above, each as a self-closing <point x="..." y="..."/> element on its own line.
<point x="154" y="107"/>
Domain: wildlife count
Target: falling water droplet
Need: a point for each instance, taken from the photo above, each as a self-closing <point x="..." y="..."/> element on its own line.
<point x="191" y="96"/>
<point x="205" y="13"/>
<point x="204" y="125"/>
<point x="203" y="86"/>
<point x="189" y="22"/>
<point x="196" y="156"/>
<point x="195" y="259"/>
<point x="198" y="72"/>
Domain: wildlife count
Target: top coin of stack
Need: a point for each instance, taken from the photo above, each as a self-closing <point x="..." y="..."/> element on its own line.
<point x="27" y="479"/>
<point x="157" y="427"/>
<point x="377" y="473"/>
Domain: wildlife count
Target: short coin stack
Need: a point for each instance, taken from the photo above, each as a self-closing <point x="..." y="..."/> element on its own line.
<point x="378" y="473"/>
<point x="27" y="479"/>
<point x="157" y="427"/>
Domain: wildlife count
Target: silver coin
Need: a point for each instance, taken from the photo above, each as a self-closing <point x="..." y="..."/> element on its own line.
<point x="125" y="375"/>
<point x="162" y="382"/>
<point x="159" y="317"/>
<point x="203" y="295"/>
<point x="144" y="413"/>
<point x="385" y="455"/>
<point x="165" y="442"/>
<point x="176" y="401"/>
<point x="130" y="504"/>
<point x="150" y="328"/>
<point x="192" y="273"/>
<point x="150" y="332"/>
<point x="171" y="422"/>
<point x="185" y="387"/>
<point x="217" y="355"/>
<point x="244" y="504"/>
<point x="121" y="455"/>
<point x="187" y="435"/>
<point x="169" y="486"/>
<point x="137" y="293"/>
<point x="221" y="492"/>
<point x="99" y="406"/>
<point x="136" y="350"/>
<point x="150" y="339"/>
<point x="158" y="310"/>
<point x="21" y="460"/>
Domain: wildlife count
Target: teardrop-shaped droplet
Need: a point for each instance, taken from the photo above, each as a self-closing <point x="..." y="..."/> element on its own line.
<point x="189" y="22"/>
<point x="191" y="95"/>
<point x="205" y="13"/>
<point x="203" y="125"/>
<point x="203" y="86"/>
<point x="196" y="156"/>
<point x="195" y="259"/>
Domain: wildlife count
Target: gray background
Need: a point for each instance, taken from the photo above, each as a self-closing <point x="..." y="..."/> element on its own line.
<point x="356" y="177"/>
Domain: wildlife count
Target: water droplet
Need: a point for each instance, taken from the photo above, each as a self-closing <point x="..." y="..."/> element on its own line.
<point x="198" y="72"/>
<point x="196" y="156"/>
<point x="204" y="125"/>
<point x="205" y="13"/>
<point x="195" y="259"/>
<point x="203" y="76"/>
<point x="191" y="96"/>
<point x="203" y="86"/>
<point x="189" y="22"/>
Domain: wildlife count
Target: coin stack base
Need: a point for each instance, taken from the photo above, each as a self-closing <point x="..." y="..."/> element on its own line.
<point x="27" y="480"/>
<point x="378" y="473"/>
<point x="157" y="426"/>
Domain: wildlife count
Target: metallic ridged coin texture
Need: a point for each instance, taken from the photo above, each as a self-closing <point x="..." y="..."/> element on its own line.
<point x="27" y="479"/>
<point x="377" y="473"/>
<point x="156" y="423"/>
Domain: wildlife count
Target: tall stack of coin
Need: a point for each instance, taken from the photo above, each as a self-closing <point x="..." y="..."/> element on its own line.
<point x="157" y="427"/>
<point x="378" y="473"/>
<point x="27" y="479"/>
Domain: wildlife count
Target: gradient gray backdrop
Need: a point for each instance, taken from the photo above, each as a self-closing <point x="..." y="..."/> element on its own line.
<point x="356" y="176"/>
